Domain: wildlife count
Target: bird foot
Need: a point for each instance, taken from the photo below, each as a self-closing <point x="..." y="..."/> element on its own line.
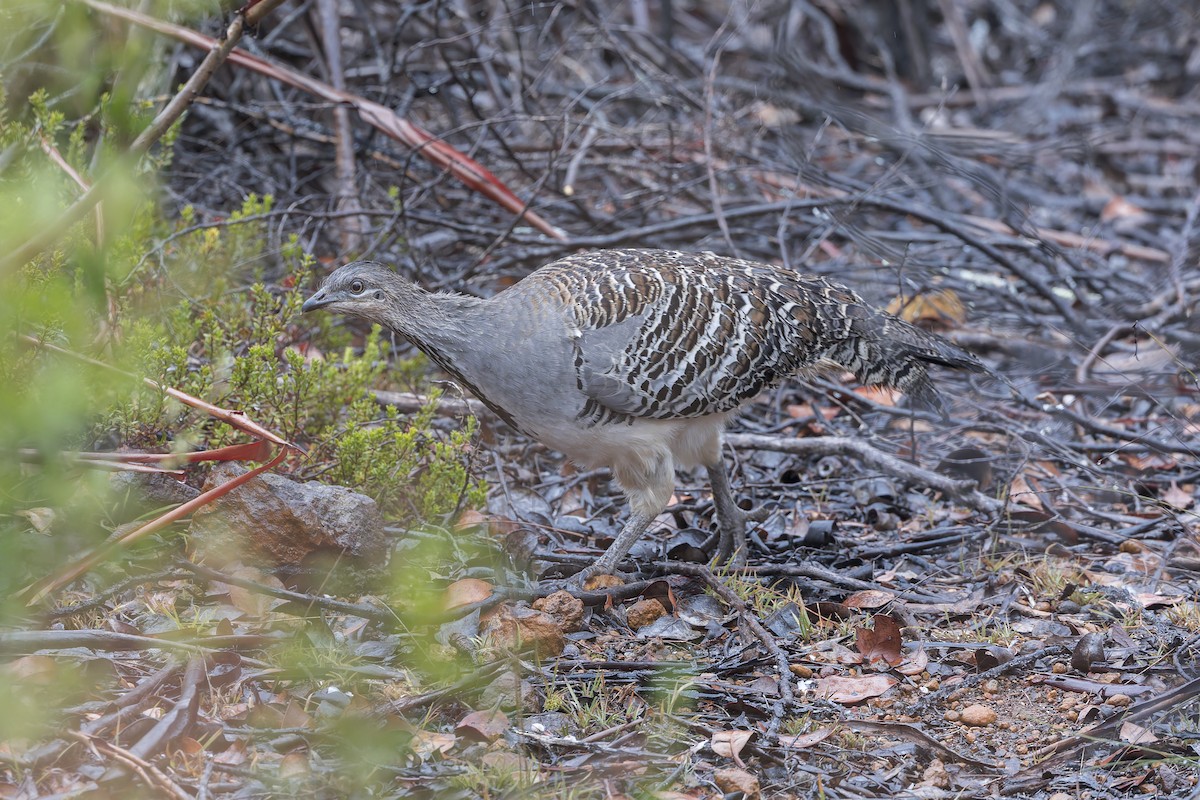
<point x="732" y="544"/>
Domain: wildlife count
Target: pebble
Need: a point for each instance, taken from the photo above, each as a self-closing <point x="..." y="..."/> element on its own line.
<point x="977" y="716"/>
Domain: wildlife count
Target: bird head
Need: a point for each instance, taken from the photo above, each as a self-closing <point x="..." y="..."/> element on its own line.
<point x="364" y="289"/>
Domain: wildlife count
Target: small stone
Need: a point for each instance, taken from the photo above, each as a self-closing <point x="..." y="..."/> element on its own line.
<point x="1059" y="668"/>
<point x="516" y="628"/>
<point x="992" y="686"/>
<point x="800" y="671"/>
<point x="563" y="607"/>
<point x="951" y="716"/>
<point x="550" y="723"/>
<point x="503" y="693"/>
<point x="977" y="716"/>
<point x="644" y="612"/>
<point x="1118" y="700"/>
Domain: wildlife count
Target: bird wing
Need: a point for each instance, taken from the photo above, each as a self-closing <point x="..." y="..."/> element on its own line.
<point x="669" y="335"/>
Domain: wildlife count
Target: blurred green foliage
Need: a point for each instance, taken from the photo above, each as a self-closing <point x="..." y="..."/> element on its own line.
<point x="208" y="308"/>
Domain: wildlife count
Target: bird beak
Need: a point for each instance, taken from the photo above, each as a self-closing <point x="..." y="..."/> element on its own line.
<point x="318" y="300"/>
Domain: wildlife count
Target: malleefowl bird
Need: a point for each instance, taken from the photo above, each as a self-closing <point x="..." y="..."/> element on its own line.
<point x="636" y="359"/>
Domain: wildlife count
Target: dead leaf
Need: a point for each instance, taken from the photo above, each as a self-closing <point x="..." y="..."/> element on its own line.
<point x="1019" y="491"/>
<point x="467" y="592"/>
<point x="942" y="307"/>
<point x="880" y="395"/>
<point x="882" y="643"/>
<point x="737" y="780"/>
<point x="470" y="518"/>
<point x="482" y="726"/>
<point x="869" y="598"/>
<point x="41" y="519"/>
<point x="803" y="740"/>
<point x="1120" y="208"/>
<point x="730" y="744"/>
<point x="39" y="670"/>
<point x="1136" y="734"/>
<point x="426" y="744"/>
<point x="1181" y="498"/>
<point x="294" y="765"/>
<point x="849" y="690"/>
<point x="914" y="664"/>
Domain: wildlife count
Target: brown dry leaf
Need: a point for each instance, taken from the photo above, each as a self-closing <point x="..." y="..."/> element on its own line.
<point x="248" y="601"/>
<point x="294" y="765"/>
<point x="882" y="642"/>
<point x="848" y="691"/>
<point x="470" y="518"/>
<point x="869" y="598"/>
<point x="942" y="307"/>
<point x="232" y="756"/>
<point x="483" y="726"/>
<point x="38" y="670"/>
<point x="1021" y="492"/>
<point x="1150" y="600"/>
<point x="426" y="744"/>
<point x="914" y="664"/>
<point x="737" y="780"/>
<point x="1179" y="497"/>
<point x="295" y="717"/>
<point x="1120" y="208"/>
<point x="1136" y="734"/>
<point x="803" y="740"/>
<point x="189" y="755"/>
<point x="880" y="395"/>
<point x="466" y="592"/>
<point x="730" y="744"/>
<point x="41" y="519"/>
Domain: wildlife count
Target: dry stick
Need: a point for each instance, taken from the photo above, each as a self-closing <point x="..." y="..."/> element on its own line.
<point x="467" y="170"/>
<point x="347" y="198"/>
<point x="965" y="491"/>
<point x="250" y="15"/>
<point x="372" y="613"/>
<point x="49" y="149"/>
<point x="127" y="707"/>
<point x="151" y="775"/>
<point x="171" y="725"/>
<point x="786" y="695"/>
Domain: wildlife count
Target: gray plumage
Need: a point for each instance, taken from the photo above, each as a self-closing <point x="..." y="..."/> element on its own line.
<point x="634" y="359"/>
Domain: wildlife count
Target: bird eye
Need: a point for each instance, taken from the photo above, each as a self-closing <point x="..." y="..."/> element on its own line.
<point x="356" y="287"/>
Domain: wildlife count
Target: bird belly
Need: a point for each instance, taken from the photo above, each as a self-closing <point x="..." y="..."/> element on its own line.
<point x="679" y="442"/>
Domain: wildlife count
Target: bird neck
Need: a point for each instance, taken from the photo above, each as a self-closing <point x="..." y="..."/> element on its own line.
<point x="444" y="325"/>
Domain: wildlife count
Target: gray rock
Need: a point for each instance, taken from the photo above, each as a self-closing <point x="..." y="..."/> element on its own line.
<point x="284" y="522"/>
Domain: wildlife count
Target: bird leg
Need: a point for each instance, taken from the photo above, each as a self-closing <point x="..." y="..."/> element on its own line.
<point x="607" y="564"/>
<point x="732" y="545"/>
